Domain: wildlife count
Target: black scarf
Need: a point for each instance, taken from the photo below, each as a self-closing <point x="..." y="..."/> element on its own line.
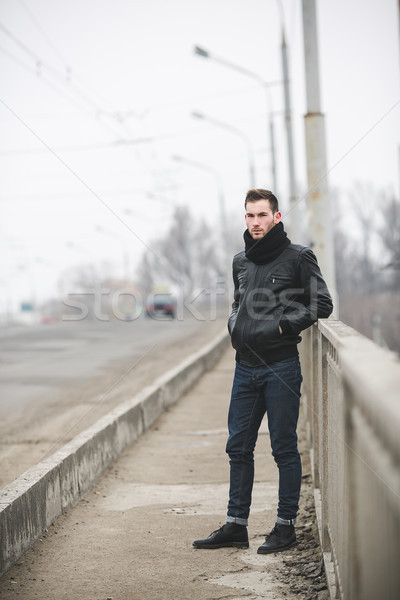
<point x="267" y="248"/>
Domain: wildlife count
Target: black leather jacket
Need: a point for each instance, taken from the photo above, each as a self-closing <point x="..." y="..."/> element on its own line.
<point x="288" y="292"/>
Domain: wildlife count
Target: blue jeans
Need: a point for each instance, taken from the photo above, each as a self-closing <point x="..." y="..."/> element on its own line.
<point x="273" y="389"/>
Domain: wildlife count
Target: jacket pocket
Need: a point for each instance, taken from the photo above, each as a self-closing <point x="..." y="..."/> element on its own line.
<point x="231" y="323"/>
<point x="235" y="338"/>
<point x="280" y="281"/>
<point x="267" y="329"/>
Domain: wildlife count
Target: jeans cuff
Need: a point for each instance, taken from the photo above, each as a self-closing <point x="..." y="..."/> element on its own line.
<point x="237" y="520"/>
<point x="281" y="521"/>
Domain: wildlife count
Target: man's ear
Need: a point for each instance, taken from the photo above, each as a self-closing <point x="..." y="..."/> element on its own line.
<point x="277" y="217"/>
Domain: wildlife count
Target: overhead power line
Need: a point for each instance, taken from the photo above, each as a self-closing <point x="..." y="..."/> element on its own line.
<point x="83" y="147"/>
<point x="79" y="178"/>
<point x="70" y="73"/>
<point x="44" y="33"/>
<point x="53" y="77"/>
<point x="66" y="83"/>
<point x="43" y="77"/>
<point x="43" y="66"/>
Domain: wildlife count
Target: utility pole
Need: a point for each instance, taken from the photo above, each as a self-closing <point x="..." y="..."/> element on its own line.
<point x="398" y="148"/>
<point x="318" y="200"/>
<point x="293" y="208"/>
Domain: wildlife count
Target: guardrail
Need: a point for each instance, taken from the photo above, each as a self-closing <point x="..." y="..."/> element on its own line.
<point x="352" y="401"/>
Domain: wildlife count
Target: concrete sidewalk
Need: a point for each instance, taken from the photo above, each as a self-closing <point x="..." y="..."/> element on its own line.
<point x="130" y="537"/>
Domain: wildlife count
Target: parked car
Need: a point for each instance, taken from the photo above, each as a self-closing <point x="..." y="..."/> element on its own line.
<point x="161" y="304"/>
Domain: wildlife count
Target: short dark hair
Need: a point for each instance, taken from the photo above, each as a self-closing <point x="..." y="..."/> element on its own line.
<point x="260" y="194"/>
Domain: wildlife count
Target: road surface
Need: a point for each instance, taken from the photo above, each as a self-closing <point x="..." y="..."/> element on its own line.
<point x="59" y="378"/>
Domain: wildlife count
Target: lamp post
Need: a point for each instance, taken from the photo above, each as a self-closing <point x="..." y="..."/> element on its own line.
<point x="131" y="213"/>
<point x="86" y="252"/>
<point x="221" y="199"/>
<point x="165" y="211"/>
<point x="266" y="86"/>
<point x="160" y="198"/>
<point x="214" y="173"/>
<point x="125" y="255"/>
<point x="44" y="262"/>
<point x="168" y="204"/>
<point x="293" y="205"/>
<point x="238" y="132"/>
<point x="28" y="306"/>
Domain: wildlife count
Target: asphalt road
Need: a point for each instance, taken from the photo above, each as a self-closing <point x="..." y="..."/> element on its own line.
<point x="57" y="379"/>
<point x="36" y="362"/>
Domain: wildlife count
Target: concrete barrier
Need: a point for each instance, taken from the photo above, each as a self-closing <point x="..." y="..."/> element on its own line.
<point x="34" y="501"/>
<point x="351" y="388"/>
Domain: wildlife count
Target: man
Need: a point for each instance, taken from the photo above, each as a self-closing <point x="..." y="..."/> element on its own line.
<point x="278" y="292"/>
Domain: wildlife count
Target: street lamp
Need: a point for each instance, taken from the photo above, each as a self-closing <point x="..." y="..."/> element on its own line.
<point x="44" y="262"/>
<point x="131" y="213"/>
<point x="238" y="132"/>
<point x="28" y="307"/>
<point x="214" y="173"/>
<point x="266" y="85"/>
<point x="125" y="254"/>
<point x="86" y="252"/>
<point x="166" y="207"/>
<point x="161" y="198"/>
<point x="221" y="198"/>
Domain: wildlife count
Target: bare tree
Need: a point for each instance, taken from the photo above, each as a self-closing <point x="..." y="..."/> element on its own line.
<point x="389" y="234"/>
<point x="367" y="263"/>
<point x="187" y="257"/>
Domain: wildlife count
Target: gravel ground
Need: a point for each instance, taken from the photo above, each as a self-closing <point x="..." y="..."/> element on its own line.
<point x="304" y="572"/>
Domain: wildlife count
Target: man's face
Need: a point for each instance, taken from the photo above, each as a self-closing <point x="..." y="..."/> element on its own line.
<point x="260" y="219"/>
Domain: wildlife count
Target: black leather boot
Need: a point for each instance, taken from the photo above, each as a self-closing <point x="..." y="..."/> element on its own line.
<point x="229" y="535"/>
<point x="280" y="538"/>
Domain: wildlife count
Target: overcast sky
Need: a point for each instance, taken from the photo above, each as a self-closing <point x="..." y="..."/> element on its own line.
<point x="96" y="97"/>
